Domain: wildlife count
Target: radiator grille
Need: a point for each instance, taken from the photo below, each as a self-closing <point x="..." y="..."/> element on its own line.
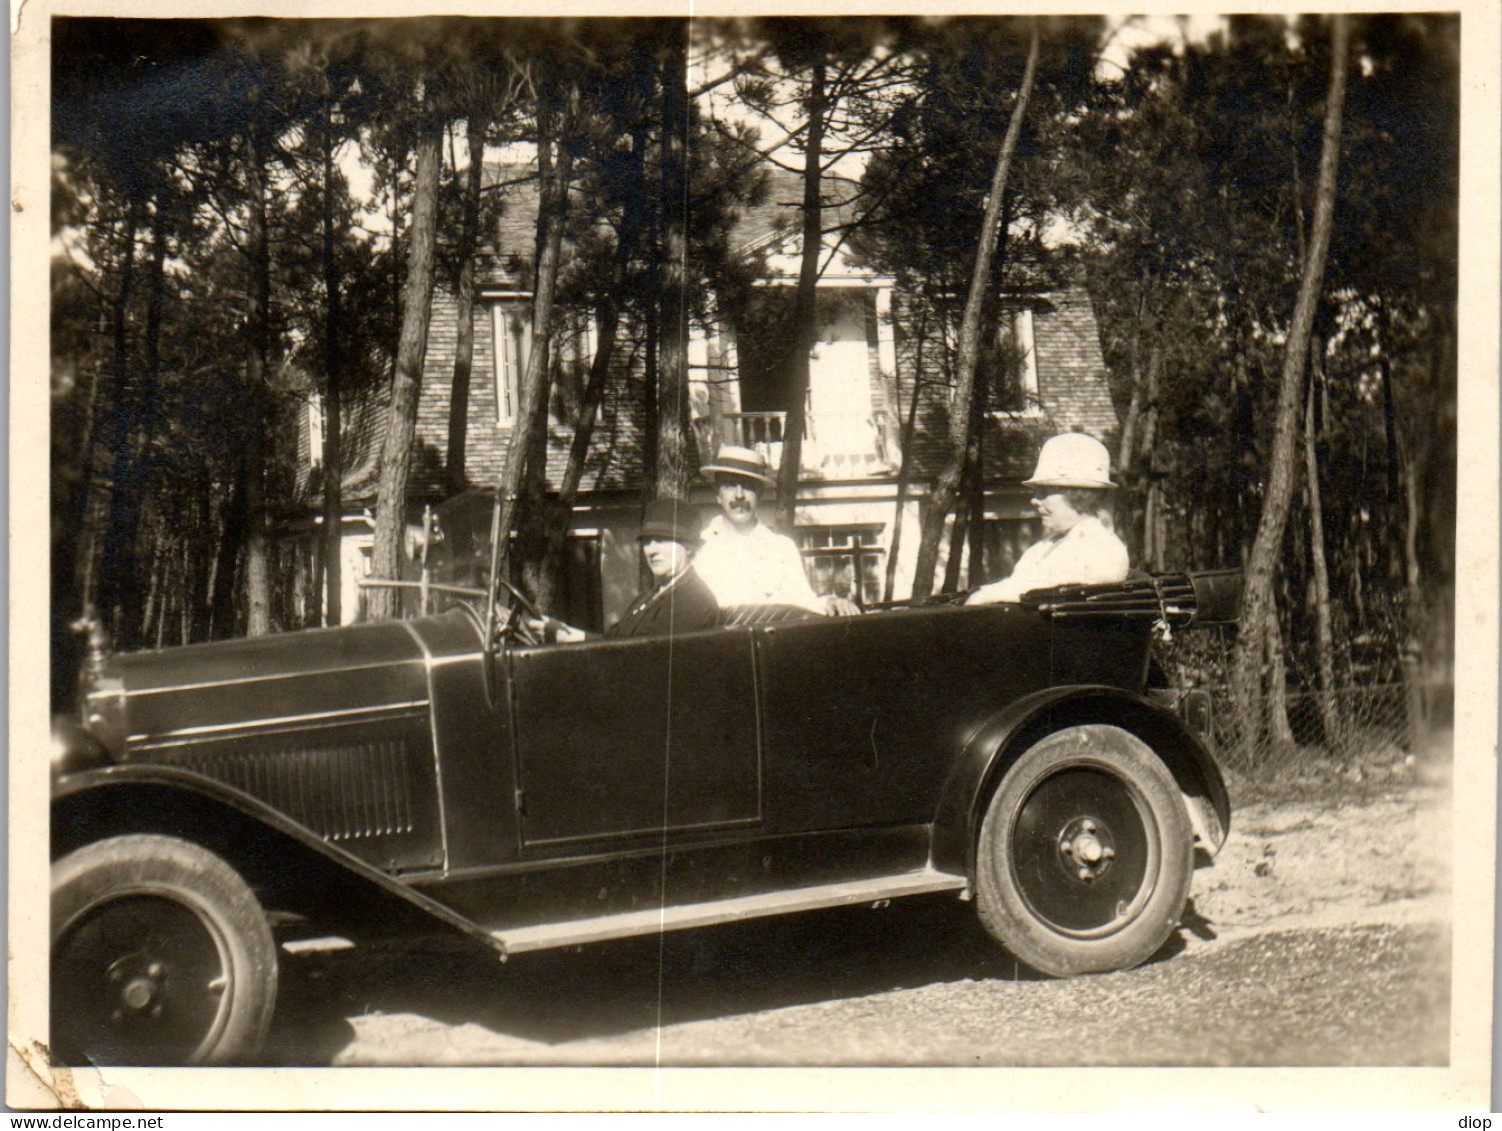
<point x="350" y="791"/>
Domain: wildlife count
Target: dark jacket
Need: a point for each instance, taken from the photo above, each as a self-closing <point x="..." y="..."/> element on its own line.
<point x="683" y="604"/>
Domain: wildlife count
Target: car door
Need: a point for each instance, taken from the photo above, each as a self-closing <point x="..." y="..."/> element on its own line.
<point x="644" y="735"/>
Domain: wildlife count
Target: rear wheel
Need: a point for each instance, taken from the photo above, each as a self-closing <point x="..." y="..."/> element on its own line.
<point x="1085" y="855"/>
<point x="161" y="955"/>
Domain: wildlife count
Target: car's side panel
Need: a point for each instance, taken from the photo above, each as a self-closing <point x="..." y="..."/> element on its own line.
<point x="339" y="736"/>
<point x="367" y="784"/>
<point x="471" y="720"/>
<point x="862" y="715"/>
<point x="1100" y="651"/>
<point x="632" y="736"/>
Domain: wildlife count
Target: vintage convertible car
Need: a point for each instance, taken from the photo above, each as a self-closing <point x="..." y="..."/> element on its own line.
<point x="439" y="770"/>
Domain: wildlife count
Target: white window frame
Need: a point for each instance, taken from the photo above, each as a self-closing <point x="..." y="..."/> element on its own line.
<point x="854" y="549"/>
<point x="315" y="429"/>
<point x="1022" y="334"/>
<point x="1021" y="320"/>
<point x="510" y="315"/>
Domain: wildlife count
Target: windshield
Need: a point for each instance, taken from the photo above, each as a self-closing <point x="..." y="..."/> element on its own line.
<point x="459" y="551"/>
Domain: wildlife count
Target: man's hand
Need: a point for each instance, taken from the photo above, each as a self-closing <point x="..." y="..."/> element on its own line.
<point x="837" y="606"/>
<point x="552" y="631"/>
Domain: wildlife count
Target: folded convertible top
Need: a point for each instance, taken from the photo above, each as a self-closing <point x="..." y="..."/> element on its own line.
<point x="1177" y="599"/>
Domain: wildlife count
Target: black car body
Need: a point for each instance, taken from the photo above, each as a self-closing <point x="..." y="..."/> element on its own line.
<point x="436" y="770"/>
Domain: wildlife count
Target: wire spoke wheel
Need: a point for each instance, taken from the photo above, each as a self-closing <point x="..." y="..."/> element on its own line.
<point x="160" y="956"/>
<point x="1085" y="856"/>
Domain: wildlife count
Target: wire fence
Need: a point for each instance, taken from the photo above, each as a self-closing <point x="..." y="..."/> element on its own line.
<point x="1358" y="721"/>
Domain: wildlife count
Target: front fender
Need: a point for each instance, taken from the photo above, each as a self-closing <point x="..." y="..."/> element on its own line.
<point x="268" y="848"/>
<point x="1001" y="739"/>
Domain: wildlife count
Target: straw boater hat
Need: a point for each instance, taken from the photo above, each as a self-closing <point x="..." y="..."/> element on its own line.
<point x="741" y="462"/>
<point x="672" y="519"/>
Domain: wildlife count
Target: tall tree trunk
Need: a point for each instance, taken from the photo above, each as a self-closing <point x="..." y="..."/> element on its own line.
<point x="805" y="327"/>
<point x="333" y="393"/>
<point x="1136" y="525"/>
<point x="909" y="430"/>
<point x="222" y="621"/>
<point x="969" y="347"/>
<point x="1389" y="430"/>
<point x="975" y="506"/>
<point x="464" y="303"/>
<point x="406" y="381"/>
<point x="1152" y="488"/>
<point x="607" y="324"/>
<point x="554" y="170"/>
<point x="117" y="560"/>
<point x="1324" y="638"/>
<point x="205" y="545"/>
<point x="258" y="241"/>
<point x="673" y="428"/>
<point x="1280" y="733"/>
<point x="1254" y="642"/>
<point x="142" y="449"/>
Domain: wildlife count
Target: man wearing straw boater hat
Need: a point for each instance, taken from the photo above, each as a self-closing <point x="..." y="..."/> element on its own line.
<point x="1073" y="478"/>
<point x="743" y="561"/>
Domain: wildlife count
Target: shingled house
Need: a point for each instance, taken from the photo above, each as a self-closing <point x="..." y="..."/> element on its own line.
<point x="869" y="360"/>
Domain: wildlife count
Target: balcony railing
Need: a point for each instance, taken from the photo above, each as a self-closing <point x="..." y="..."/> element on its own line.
<point x="835" y="445"/>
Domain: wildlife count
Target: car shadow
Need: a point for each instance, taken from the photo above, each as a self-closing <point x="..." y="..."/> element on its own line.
<point x="1191" y="922"/>
<point x="612" y="988"/>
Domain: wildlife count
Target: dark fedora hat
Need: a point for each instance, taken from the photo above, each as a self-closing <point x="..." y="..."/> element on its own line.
<point x="745" y="463"/>
<point x="673" y="519"/>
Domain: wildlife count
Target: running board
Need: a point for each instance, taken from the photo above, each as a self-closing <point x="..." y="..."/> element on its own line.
<point x="574" y="932"/>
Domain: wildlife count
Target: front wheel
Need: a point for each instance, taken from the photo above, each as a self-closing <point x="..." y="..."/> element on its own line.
<point x="160" y="956"/>
<point x="1085" y="855"/>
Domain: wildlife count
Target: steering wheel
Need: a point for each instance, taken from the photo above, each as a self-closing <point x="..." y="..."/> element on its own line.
<point x="514" y="624"/>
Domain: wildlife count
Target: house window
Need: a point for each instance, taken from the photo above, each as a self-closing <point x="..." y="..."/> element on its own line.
<point x="844" y="560"/>
<point x="1003" y="542"/>
<point x="1010" y="364"/>
<point x="511" y="331"/>
<point x="315" y="430"/>
<point x="572" y="353"/>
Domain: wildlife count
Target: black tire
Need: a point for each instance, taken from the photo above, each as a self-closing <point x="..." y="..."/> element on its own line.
<point x="1085" y="855"/>
<point x="161" y="955"/>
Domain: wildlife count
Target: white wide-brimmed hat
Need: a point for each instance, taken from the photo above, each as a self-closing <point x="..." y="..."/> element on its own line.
<point x="1072" y="460"/>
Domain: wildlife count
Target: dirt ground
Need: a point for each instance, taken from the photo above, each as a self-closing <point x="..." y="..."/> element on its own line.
<point x="1366" y="844"/>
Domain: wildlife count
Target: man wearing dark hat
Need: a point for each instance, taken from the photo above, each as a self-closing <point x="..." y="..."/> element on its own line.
<point x="678" y="601"/>
<point x="743" y="561"/>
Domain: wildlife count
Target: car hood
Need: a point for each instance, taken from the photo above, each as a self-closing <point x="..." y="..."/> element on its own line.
<point x="147" y="697"/>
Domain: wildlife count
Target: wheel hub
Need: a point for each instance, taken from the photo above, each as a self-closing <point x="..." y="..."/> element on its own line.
<point x="140" y="984"/>
<point x="1087" y="848"/>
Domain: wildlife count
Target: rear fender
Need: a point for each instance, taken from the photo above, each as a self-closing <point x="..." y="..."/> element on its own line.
<point x="289" y="865"/>
<point x="998" y="742"/>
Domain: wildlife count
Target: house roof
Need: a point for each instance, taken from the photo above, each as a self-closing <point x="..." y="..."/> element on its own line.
<point x="506" y="254"/>
<point x="779" y="212"/>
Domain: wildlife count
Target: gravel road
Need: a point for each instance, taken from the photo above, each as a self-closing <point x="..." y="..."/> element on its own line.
<point x="1319" y="937"/>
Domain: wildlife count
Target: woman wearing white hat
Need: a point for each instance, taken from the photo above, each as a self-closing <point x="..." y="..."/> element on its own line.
<point x="1074" y="471"/>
